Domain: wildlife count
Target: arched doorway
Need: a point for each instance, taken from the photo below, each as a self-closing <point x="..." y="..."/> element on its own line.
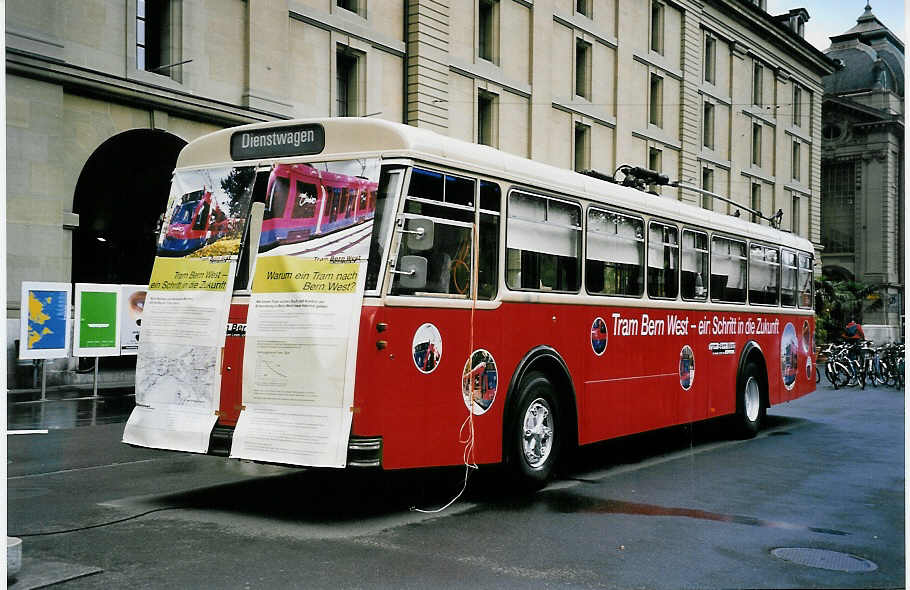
<point x="121" y="192"/>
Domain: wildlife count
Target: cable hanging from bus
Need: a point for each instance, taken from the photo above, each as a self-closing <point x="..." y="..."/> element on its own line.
<point x="556" y="309"/>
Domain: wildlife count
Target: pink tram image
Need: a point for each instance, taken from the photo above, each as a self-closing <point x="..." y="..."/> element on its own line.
<point x="303" y="203"/>
<point x="196" y="220"/>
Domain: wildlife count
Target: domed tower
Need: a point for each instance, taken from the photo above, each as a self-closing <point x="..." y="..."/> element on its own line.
<point x="862" y="172"/>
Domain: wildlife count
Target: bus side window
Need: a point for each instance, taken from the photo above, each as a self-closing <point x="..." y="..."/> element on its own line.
<point x="449" y="260"/>
<point x="764" y="267"/>
<point x="543" y="244"/>
<point x="694" y="265"/>
<point x="488" y="256"/>
<point x="663" y="261"/>
<point x="728" y="270"/>
<point x="616" y="253"/>
<point x="789" y="279"/>
<point x="806" y="285"/>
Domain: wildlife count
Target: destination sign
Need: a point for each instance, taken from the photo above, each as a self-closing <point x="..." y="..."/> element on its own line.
<point x="278" y="142"/>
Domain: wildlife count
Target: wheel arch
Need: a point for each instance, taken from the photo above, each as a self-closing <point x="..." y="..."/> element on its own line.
<point x="549" y="362"/>
<point x="753" y="353"/>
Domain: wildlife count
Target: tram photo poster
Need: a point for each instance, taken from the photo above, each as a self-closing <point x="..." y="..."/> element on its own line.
<point x="43" y="327"/>
<point x="185" y="310"/>
<point x="97" y="329"/>
<point x="304" y="315"/>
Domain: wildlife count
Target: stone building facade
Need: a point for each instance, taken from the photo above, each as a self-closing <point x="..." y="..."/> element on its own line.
<point x="103" y="93"/>
<point x="862" y="187"/>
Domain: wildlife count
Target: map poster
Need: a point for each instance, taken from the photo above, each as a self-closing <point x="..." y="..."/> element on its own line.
<point x="97" y="329"/>
<point x="178" y="372"/>
<point x="132" y="302"/>
<point x="44" y="320"/>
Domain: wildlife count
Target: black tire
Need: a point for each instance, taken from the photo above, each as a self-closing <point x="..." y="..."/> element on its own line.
<point x="750" y="402"/>
<point x="534" y="450"/>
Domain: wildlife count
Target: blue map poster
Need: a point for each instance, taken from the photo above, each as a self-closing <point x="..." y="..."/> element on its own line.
<point x="44" y="323"/>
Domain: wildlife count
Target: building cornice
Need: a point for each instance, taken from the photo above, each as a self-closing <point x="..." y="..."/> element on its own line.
<point x="89" y="82"/>
<point x="758" y="20"/>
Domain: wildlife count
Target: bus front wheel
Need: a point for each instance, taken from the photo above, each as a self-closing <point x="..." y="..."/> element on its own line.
<point x="536" y="438"/>
<point x="750" y="407"/>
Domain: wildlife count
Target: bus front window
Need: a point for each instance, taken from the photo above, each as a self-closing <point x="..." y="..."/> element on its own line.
<point x="448" y="201"/>
<point x="389" y="186"/>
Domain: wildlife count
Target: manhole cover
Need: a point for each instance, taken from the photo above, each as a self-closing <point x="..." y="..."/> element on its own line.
<point x="825" y="559"/>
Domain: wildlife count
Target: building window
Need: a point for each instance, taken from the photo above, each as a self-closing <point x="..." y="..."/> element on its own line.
<point x="487" y="126"/>
<point x="487" y="30"/>
<point x="756" y="202"/>
<point x="794" y="214"/>
<point x="348" y="88"/>
<point x="656" y="101"/>
<point x="838" y="215"/>
<point x="157" y="27"/>
<point x="708" y="126"/>
<point x="582" y="69"/>
<point x="655" y="163"/>
<point x="797" y="105"/>
<point x="657" y="27"/>
<point x="795" y="159"/>
<point x="707" y="183"/>
<point x="582" y="147"/>
<point x="757" y="84"/>
<point x="355" y="6"/>
<point x="756" y="144"/>
<point x="710" y="59"/>
<point x="583" y="7"/>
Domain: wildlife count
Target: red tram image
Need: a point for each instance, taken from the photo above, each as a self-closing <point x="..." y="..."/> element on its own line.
<point x="197" y="220"/>
<point x="303" y="203"/>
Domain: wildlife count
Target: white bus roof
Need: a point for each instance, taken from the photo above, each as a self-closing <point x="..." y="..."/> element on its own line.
<point x="348" y="138"/>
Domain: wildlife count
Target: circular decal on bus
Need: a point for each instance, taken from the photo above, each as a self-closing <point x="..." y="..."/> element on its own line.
<point x="806" y="336"/>
<point x="427" y="348"/>
<point x="789" y="356"/>
<point x="599" y="336"/>
<point x="809" y="367"/>
<point x="478" y="382"/>
<point x="686" y="367"/>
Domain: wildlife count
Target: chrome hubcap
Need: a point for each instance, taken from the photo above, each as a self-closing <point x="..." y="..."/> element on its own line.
<point x="752" y="399"/>
<point x="537" y="433"/>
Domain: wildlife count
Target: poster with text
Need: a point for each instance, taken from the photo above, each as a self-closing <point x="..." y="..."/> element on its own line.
<point x="178" y="373"/>
<point x="44" y="316"/>
<point x="97" y="329"/>
<point x="132" y="302"/>
<point x="304" y="314"/>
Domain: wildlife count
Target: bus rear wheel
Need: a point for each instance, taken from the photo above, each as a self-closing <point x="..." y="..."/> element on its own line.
<point x="750" y="407"/>
<point x="535" y="433"/>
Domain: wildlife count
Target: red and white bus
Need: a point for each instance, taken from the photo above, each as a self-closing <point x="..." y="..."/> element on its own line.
<point x="561" y="309"/>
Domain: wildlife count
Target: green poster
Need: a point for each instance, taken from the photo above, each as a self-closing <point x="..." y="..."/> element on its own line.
<point x="98" y="322"/>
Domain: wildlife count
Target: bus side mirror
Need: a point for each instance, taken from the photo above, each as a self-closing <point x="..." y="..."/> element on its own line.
<point x="420" y="233"/>
<point x="413" y="272"/>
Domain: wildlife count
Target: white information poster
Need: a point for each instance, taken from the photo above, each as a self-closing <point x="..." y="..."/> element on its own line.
<point x="132" y="302"/>
<point x="299" y="362"/>
<point x="301" y="339"/>
<point x="185" y="311"/>
<point x="44" y="320"/>
<point x="96" y="323"/>
<point x="178" y="373"/>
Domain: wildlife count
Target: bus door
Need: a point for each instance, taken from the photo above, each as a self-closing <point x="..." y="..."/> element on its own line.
<point x="431" y="305"/>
